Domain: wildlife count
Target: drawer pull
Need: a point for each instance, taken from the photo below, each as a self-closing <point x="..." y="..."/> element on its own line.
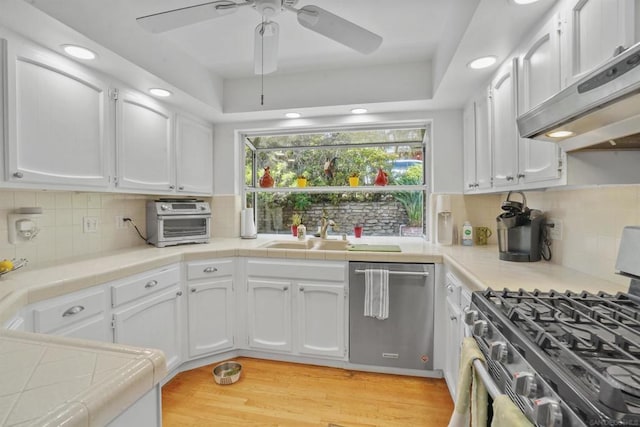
<point x="73" y="310"/>
<point x="193" y="290"/>
<point x="179" y="293"/>
<point x="210" y="270"/>
<point x="301" y="289"/>
<point x="151" y="284"/>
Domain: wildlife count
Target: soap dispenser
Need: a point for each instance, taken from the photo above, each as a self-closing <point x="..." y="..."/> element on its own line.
<point x="444" y="232"/>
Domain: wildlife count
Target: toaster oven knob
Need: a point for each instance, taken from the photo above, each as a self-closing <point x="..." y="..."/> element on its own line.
<point x="479" y="328"/>
<point x="498" y="351"/>
<point x="547" y="412"/>
<point x="524" y="384"/>
<point x="470" y="316"/>
<point x="165" y="207"/>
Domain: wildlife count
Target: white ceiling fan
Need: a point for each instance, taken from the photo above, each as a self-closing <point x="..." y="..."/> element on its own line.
<point x="266" y="33"/>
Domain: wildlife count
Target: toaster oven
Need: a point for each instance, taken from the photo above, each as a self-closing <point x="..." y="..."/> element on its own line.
<point x="178" y="221"/>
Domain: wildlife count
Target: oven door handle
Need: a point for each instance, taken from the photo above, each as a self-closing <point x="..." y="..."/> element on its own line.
<point x="484" y="375"/>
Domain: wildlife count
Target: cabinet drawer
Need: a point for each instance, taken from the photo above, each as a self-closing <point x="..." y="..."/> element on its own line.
<point x="142" y="285"/>
<point x="206" y="269"/>
<point x="66" y="311"/>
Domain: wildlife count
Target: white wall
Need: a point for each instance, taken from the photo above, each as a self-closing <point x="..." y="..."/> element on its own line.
<point x="446" y="145"/>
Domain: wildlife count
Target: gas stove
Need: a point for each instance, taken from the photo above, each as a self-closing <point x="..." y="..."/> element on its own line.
<point x="566" y="359"/>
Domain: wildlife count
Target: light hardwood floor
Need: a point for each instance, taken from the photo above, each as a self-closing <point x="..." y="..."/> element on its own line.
<point x="273" y="393"/>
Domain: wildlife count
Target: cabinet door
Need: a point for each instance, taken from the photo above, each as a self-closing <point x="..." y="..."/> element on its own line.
<point x="539" y="79"/>
<point x="194" y="156"/>
<point x="469" y="141"/>
<point x="321" y="319"/>
<point x="144" y="145"/>
<point x="454" y="339"/>
<point x="483" y="142"/>
<point x="57" y="116"/>
<point x="269" y="305"/>
<point x="95" y="328"/>
<point x="595" y="28"/>
<point x="153" y="323"/>
<point x="503" y="125"/>
<point x="211" y="310"/>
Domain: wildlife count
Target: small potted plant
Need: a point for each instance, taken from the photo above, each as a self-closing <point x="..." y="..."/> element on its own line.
<point x="296" y="220"/>
<point x="302" y="180"/>
<point x="354" y="179"/>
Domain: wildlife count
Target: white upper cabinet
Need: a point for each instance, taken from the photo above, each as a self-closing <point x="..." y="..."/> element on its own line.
<point x="144" y="144"/>
<point x="539" y="79"/>
<point x="503" y="124"/>
<point x="594" y="29"/>
<point x="57" y="120"/>
<point x="477" y="144"/>
<point x="194" y="156"/>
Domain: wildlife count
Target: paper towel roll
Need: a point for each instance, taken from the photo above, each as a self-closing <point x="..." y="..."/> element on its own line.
<point x="247" y="224"/>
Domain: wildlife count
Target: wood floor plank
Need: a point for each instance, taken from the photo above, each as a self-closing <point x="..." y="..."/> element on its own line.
<point x="281" y="394"/>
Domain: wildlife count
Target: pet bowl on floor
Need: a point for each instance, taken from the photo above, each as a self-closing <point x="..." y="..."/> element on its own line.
<point x="227" y="373"/>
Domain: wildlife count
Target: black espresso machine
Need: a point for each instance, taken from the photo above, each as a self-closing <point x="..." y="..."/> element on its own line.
<point x="521" y="231"/>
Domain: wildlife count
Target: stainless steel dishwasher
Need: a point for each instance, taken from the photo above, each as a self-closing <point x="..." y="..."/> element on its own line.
<point x="405" y="338"/>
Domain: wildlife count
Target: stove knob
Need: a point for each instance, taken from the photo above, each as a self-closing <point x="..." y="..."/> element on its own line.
<point x="165" y="207"/>
<point x="547" y="412"/>
<point x="479" y="328"/>
<point x="524" y="384"/>
<point x="470" y="316"/>
<point x="498" y="351"/>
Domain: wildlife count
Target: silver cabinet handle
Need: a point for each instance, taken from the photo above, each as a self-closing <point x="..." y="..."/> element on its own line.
<point x="210" y="270"/>
<point x="450" y="288"/>
<point x="179" y="293"/>
<point x="509" y="178"/>
<point x="286" y="288"/>
<point x="521" y="175"/>
<point x="18" y="174"/>
<point x="453" y="317"/>
<point x="171" y="187"/>
<point x="181" y="187"/>
<point x="471" y="185"/>
<point x="73" y="310"/>
<point x="193" y="290"/>
<point x="151" y="284"/>
<point x="301" y="289"/>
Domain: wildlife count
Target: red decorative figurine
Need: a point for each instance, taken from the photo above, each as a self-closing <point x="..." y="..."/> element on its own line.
<point x="266" y="181"/>
<point x="381" y="179"/>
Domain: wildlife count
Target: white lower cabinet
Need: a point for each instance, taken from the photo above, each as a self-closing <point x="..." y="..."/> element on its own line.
<point x="297" y="307"/>
<point x="211" y="311"/>
<point x="320" y="317"/>
<point x="154" y="322"/>
<point x="269" y="308"/>
<point x="452" y="359"/>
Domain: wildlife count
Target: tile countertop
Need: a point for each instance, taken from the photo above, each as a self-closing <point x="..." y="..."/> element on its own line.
<point x="106" y="378"/>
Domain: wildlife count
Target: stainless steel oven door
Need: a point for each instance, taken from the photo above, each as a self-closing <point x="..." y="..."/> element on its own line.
<point x="177" y="229"/>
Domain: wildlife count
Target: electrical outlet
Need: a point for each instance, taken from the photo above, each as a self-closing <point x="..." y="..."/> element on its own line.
<point x="120" y="223"/>
<point x="555" y="228"/>
<point x="90" y="224"/>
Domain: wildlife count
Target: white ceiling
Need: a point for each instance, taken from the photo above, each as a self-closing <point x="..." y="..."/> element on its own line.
<point x="203" y="59"/>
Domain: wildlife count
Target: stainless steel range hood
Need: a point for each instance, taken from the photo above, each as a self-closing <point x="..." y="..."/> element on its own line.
<point x="600" y="111"/>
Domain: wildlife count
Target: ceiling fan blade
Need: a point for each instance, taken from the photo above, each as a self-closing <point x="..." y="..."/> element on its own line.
<point x="338" y="29"/>
<point x="265" y="58"/>
<point x="171" y="19"/>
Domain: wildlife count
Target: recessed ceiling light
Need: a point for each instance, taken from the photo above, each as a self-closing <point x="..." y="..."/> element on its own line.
<point x="293" y="115"/>
<point x="524" y="1"/>
<point x="359" y="110"/>
<point x="159" y="92"/>
<point x="484" y="62"/>
<point x="560" y="134"/>
<point x="79" y="52"/>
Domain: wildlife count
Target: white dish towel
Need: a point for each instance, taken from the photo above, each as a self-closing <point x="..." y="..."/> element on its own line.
<point x="376" y="293"/>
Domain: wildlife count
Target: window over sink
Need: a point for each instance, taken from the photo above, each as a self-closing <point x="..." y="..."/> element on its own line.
<point x="372" y="177"/>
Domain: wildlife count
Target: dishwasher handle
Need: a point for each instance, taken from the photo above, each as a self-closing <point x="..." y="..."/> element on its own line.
<point x="401" y="273"/>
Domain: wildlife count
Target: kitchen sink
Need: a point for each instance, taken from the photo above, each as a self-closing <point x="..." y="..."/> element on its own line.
<point x="309" y="244"/>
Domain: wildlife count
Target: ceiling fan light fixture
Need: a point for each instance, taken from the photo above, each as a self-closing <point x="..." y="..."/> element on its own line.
<point x="266" y="47"/>
<point x="162" y="93"/>
<point x="482" y="62"/>
<point x="292" y="115"/>
<point x="359" y="110"/>
<point x="79" y="52"/>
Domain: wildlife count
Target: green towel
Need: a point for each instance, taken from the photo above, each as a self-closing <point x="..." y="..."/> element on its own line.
<point x="507" y="414"/>
<point x="472" y="393"/>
